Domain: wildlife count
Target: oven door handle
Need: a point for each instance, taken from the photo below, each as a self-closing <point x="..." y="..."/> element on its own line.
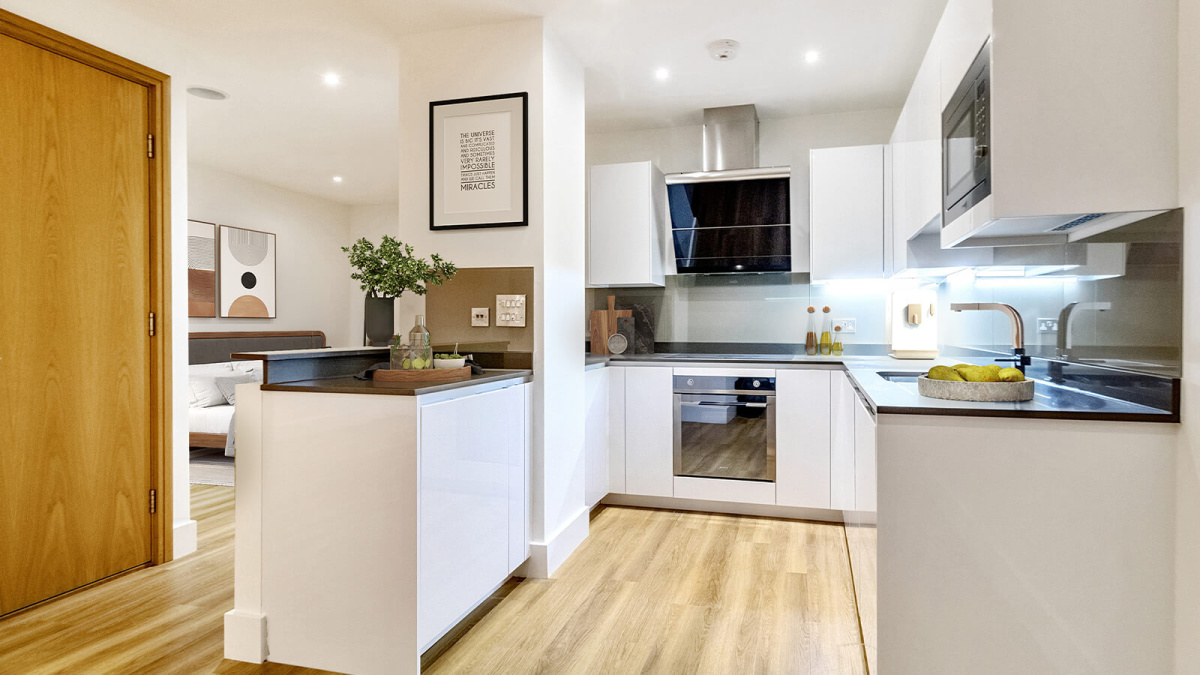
<point x="730" y="404"/>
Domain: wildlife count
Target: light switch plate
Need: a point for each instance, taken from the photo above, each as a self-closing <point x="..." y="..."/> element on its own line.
<point x="510" y="311"/>
<point x="479" y="317"/>
<point x="1047" y="325"/>
<point x="848" y="325"/>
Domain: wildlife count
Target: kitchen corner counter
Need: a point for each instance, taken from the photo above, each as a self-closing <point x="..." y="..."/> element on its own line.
<point x="1054" y="399"/>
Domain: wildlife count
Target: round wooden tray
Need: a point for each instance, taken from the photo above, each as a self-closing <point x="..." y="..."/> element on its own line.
<point x="424" y="375"/>
<point x="976" y="391"/>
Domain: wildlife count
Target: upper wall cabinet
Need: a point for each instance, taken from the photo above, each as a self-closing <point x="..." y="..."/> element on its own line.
<point x="846" y="203"/>
<point x="627" y="225"/>
<point x="1079" y="130"/>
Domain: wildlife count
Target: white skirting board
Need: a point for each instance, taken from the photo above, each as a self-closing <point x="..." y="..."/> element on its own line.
<point x="184" y="539"/>
<point x="245" y="636"/>
<point x="546" y="557"/>
<point x="705" y="506"/>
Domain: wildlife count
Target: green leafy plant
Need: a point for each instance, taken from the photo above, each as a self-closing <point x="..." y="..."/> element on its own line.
<point x="391" y="269"/>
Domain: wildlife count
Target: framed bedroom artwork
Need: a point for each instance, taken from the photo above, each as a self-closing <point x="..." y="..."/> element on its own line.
<point x="247" y="273"/>
<point x="478" y="162"/>
<point x="202" y="268"/>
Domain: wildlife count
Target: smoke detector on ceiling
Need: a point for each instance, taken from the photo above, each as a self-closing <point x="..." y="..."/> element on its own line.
<point x="723" y="50"/>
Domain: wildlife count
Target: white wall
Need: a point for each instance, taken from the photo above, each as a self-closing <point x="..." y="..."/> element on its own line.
<point x="496" y="59"/>
<point x="373" y="221"/>
<point x="311" y="269"/>
<point x="1187" y="488"/>
<point x="127" y="35"/>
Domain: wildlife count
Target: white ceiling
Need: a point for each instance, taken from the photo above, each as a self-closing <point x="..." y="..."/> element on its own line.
<point x="283" y="126"/>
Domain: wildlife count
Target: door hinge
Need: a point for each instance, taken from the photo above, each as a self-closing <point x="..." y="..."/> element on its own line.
<point x="150" y="146"/>
<point x="153" y="324"/>
<point x="153" y="501"/>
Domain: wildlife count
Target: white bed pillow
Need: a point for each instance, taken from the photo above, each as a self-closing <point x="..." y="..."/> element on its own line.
<point x="204" y="392"/>
<point x="255" y="367"/>
<point x="228" y="385"/>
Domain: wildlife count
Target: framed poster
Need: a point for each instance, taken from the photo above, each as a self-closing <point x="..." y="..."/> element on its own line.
<point x="478" y="162"/>
<point x="202" y="268"/>
<point x="247" y="273"/>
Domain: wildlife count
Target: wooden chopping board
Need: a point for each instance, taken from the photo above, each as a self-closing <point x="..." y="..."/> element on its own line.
<point x="604" y="324"/>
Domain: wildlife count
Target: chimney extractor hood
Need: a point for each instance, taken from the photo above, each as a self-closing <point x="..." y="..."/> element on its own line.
<point x="732" y="216"/>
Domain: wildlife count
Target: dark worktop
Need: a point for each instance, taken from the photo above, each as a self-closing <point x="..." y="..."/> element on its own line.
<point x="348" y="384"/>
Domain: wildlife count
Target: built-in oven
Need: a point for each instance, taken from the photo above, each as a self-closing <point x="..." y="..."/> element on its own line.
<point x="725" y="426"/>
<point x="966" y="133"/>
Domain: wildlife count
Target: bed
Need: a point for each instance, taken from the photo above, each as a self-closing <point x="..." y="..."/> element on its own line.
<point x="210" y="413"/>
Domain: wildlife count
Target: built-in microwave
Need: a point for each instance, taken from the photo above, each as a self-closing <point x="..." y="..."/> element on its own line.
<point x="966" y="129"/>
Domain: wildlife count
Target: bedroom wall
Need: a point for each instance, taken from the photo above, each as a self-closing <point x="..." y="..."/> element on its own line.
<point x="311" y="270"/>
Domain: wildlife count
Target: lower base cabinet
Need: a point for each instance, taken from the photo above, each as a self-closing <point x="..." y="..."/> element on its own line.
<point x="864" y="457"/>
<point x="802" y="436"/>
<point x="472" y="504"/>
<point x="649" y="431"/>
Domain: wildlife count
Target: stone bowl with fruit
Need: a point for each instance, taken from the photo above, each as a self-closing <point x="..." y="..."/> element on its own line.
<point x="966" y="382"/>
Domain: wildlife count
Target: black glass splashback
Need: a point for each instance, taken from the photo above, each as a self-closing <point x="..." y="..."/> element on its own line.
<point x="732" y="226"/>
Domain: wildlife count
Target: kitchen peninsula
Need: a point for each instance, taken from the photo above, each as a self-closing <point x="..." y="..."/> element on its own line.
<point x="345" y="492"/>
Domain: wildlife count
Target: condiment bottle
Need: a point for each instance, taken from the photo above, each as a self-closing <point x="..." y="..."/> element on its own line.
<point x="837" y="340"/>
<point x="810" y="340"/>
<point x="826" y="334"/>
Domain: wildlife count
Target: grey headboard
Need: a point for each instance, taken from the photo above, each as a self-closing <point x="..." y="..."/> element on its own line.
<point x="216" y="347"/>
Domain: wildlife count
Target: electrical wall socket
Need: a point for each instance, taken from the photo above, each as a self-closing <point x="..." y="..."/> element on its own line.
<point x="479" y="316"/>
<point x="1047" y="325"/>
<point x="847" y="325"/>
<point x="510" y="310"/>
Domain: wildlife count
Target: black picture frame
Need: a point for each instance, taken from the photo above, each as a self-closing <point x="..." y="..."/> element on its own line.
<point x="436" y="152"/>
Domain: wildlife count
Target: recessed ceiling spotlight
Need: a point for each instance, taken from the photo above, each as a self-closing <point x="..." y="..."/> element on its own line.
<point x="723" y="50"/>
<point x="337" y="179"/>
<point x="332" y="79"/>
<point x="207" y="93"/>
<point x="662" y="73"/>
<point x="812" y="56"/>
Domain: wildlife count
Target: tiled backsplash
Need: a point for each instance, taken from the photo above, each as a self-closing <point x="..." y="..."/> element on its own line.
<point x="1142" y="325"/>
<point x="752" y="308"/>
<point x="1143" y="322"/>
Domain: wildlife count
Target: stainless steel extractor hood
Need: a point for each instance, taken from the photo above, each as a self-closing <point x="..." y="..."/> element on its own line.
<point x="730" y="148"/>
<point x="732" y="216"/>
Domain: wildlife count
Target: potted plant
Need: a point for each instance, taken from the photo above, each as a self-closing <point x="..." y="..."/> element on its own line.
<point x="386" y="273"/>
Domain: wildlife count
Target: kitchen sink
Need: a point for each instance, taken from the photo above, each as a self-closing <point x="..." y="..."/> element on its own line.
<point x="900" y="376"/>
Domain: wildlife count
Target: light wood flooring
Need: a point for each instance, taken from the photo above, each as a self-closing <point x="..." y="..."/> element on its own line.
<point x="647" y="592"/>
<point x="666" y="592"/>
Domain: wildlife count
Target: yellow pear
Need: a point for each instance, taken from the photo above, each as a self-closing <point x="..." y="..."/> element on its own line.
<point x="1012" y="375"/>
<point x="979" y="374"/>
<point x="944" y="373"/>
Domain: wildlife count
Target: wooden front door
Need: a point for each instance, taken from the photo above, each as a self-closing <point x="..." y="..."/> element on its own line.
<point x="76" y="463"/>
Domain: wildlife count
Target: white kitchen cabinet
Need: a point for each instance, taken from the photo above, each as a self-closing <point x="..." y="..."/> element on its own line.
<point x="472" y="503"/>
<point x="864" y="457"/>
<point x="846" y="203"/>
<point x="1076" y="127"/>
<point x="627" y="226"/>
<point x="802" y="435"/>
<point x="616" y="429"/>
<point x="649" y="431"/>
<point x="595" y="435"/>
<point x="843" y="401"/>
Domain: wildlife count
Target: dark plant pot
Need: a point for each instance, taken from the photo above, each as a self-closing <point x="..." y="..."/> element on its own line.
<point x="379" y="321"/>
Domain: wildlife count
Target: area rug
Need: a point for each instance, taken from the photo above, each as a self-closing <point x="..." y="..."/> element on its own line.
<point x="211" y="469"/>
